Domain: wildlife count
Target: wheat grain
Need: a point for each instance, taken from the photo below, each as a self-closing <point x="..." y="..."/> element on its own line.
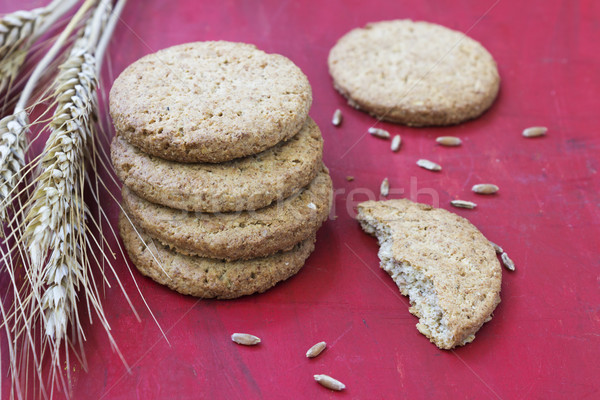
<point x="380" y="133"/>
<point x="485" y="188"/>
<point x="463" y="204"/>
<point x="449" y="141"/>
<point x="329" y="382"/>
<point x="396" y="142"/>
<point x="336" y="120"/>
<point x="535" y="131"/>
<point x="245" y="339"/>
<point x="430" y="165"/>
<point x="384" y="189"/>
<point x="496" y="247"/>
<point x="316" y="350"/>
<point x="508" y="263"/>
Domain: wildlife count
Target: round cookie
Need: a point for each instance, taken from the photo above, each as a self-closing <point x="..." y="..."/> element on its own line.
<point x="234" y="236"/>
<point x="246" y="183"/>
<point x="209" y="278"/>
<point x="209" y="101"/>
<point x="445" y="265"/>
<point x="414" y="73"/>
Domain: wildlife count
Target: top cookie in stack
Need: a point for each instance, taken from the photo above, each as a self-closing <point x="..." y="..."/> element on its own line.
<point x="221" y="129"/>
<point x="209" y="102"/>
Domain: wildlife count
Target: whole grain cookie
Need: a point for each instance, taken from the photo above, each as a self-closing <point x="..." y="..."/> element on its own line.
<point x="414" y="73"/>
<point x="442" y="262"/>
<point x="234" y="236"/>
<point x="209" y="101"/>
<point x="246" y="183"/>
<point x="206" y="277"/>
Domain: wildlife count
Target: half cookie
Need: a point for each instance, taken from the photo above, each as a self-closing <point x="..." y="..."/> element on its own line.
<point x="209" y="101"/>
<point x="246" y="183"/>
<point x="414" y="73"/>
<point x="442" y="262"/>
<point x="233" y="236"/>
<point x="209" y="278"/>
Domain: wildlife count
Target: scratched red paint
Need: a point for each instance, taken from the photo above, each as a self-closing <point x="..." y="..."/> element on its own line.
<point x="544" y="340"/>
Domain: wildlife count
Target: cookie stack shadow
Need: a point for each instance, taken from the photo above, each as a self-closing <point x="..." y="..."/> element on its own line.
<point x="224" y="185"/>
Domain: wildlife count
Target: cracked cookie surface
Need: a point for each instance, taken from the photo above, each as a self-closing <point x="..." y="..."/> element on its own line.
<point x="445" y="265"/>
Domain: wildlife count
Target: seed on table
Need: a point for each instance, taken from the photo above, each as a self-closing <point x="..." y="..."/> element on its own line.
<point x="449" y="141"/>
<point x="497" y="248"/>
<point x="463" y="204"/>
<point x="396" y="141"/>
<point x="381" y="133"/>
<point x="336" y="120"/>
<point x="349" y="178"/>
<point x="245" y="338"/>
<point x="485" y="188"/>
<point x="535" y="131"/>
<point x="316" y="350"/>
<point x="384" y="190"/>
<point x="329" y="382"/>
<point x="430" y="165"/>
<point x="508" y="263"/>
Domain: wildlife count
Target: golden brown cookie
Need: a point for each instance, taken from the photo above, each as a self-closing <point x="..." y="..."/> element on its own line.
<point x="246" y="183"/>
<point x="442" y="262"/>
<point x="206" y="277"/>
<point x="234" y="236"/>
<point x="209" y="101"/>
<point x="414" y="73"/>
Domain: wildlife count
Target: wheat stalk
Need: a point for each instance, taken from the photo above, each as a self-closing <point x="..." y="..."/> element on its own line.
<point x="56" y="241"/>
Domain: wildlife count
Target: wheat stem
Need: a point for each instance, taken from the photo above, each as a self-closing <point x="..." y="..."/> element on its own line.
<point x="108" y="31"/>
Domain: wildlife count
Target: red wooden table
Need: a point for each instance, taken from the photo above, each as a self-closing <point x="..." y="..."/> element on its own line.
<point x="544" y="340"/>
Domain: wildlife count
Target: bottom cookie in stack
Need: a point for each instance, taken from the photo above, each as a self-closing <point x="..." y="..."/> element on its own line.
<point x="225" y="255"/>
<point x="209" y="277"/>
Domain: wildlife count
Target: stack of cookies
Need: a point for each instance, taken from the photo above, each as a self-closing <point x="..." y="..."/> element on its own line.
<point x="224" y="186"/>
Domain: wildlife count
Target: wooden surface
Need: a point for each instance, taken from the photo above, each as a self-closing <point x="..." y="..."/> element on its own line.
<point x="544" y="340"/>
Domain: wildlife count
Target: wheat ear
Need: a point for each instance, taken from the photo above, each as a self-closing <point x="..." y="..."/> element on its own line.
<point x="13" y="131"/>
<point x="14" y="128"/>
<point x="19" y="30"/>
<point x="56" y="219"/>
<point x="18" y="27"/>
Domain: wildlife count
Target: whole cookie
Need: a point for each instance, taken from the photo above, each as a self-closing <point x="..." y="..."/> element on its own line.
<point x="246" y="183"/>
<point x="234" y="236"/>
<point x="442" y="262"/>
<point x="209" y="101"/>
<point x="414" y="73"/>
<point x="209" y="278"/>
